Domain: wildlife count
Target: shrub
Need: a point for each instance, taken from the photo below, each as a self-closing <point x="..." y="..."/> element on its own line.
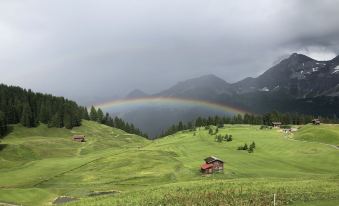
<point x="218" y="138"/>
<point x="250" y="148"/>
<point x="252" y="145"/>
<point x="229" y="139"/>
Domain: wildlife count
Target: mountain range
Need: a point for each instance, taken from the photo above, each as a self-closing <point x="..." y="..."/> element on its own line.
<point x="296" y="84"/>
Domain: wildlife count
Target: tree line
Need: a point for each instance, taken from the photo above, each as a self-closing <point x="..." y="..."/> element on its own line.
<point x="23" y="106"/>
<point x="253" y="119"/>
<point x="18" y="105"/>
<point x="116" y="122"/>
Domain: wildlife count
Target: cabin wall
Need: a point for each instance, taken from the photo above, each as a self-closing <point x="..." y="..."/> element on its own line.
<point x="217" y="166"/>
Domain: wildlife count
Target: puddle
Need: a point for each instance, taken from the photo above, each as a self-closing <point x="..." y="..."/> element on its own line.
<point x="64" y="199"/>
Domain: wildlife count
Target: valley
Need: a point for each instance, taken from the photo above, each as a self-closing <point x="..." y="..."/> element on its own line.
<point x="297" y="84"/>
<point x="40" y="164"/>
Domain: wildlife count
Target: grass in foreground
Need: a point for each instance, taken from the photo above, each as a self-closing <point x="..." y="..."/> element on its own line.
<point x="46" y="164"/>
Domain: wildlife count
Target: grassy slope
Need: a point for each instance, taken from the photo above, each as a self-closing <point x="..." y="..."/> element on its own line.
<point x="43" y="163"/>
<point x="31" y="158"/>
<point x="324" y="133"/>
<point x="275" y="161"/>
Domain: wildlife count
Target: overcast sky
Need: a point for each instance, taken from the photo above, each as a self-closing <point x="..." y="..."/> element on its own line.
<point x="95" y="49"/>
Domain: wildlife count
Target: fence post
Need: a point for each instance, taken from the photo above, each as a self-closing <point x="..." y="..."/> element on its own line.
<point x="274" y="199"/>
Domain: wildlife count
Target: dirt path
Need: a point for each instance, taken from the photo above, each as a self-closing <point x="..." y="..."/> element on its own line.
<point x="7" y="204"/>
<point x="290" y="137"/>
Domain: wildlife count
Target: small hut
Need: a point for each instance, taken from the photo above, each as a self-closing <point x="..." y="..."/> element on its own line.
<point x="212" y="164"/>
<point x="79" y="138"/>
<point x="316" y="121"/>
<point x="276" y="124"/>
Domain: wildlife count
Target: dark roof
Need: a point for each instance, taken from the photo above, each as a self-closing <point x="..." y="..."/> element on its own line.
<point x="212" y="159"/>
<point x="78" y="136"/>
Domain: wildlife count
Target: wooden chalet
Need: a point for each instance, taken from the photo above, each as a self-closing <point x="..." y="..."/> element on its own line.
<point x="79" y="138"/>
<point x="276" y="124"/>
<point x="316" y="121"/>
<point x="212" y="164"/>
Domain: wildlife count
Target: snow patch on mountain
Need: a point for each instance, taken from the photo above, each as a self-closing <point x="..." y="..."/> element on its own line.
<point x="265" y="89"/>
<point x="336" y="70"/>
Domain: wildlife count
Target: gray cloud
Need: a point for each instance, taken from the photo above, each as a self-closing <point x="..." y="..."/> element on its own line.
<point x="93" y="50"/>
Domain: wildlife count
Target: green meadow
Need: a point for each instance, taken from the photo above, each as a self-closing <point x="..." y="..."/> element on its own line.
<point x="38" y="165"/>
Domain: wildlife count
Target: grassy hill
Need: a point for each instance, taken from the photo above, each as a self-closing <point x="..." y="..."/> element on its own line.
<point x="324" y="133"/>
<point x="40" y="164"/>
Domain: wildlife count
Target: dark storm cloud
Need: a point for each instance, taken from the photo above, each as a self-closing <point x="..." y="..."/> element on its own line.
<point x="94" y="50"/>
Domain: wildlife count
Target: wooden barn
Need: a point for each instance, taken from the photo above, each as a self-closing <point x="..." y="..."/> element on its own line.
<point x="276" y="124"/>
<point x="79" y="138"/>
<point x="212" y="164"/>
<point x="316" y="121"/>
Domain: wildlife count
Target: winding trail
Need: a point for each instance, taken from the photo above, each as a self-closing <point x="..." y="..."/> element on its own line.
<point x="292" y="139"/>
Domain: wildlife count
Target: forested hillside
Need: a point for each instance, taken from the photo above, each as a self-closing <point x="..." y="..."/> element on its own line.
<point x="23" y="106"/>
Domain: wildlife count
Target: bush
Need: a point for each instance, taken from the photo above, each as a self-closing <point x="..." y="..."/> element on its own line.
<point x="229" y="139"/>
<point x="218" y="138"/>
<point x="253" y="145"/>
<point x="245" y="147"/>
<point x="250" y="148"/>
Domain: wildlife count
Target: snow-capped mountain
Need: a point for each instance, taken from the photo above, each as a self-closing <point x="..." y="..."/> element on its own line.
<point x="299" y="76"/>
<point x="296" y="84"/>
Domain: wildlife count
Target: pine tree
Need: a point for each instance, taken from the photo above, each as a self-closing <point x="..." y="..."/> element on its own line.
<point x="229" y="139"/>
<point x="93" y="114"/>
<point x="100" y="116"/>
<point x="27" y="116"/>
<point x="3" y="124"/>
<point x="85" y="114"/>
<point x="67" y="121"/>
<point x="210" y="131"/>
<point x="106" y="119"/>
<point x="55" y="121"/>
<point x="253" y="145"/>
<point x="245" y="147"/>
<point x="43" y="114"/>
<point x="180" y="126"/>
<point x="251" y="148"/>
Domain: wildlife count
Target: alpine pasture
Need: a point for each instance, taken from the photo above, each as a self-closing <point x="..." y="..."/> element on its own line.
<point x="41" y="164"/>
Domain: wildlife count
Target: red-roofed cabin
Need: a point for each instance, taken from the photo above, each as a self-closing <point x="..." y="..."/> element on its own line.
<point x="212" y="164"/>
<point x="79" y="138"/>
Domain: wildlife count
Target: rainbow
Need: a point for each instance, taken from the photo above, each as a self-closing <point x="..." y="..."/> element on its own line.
<point x="168" y="101"/>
